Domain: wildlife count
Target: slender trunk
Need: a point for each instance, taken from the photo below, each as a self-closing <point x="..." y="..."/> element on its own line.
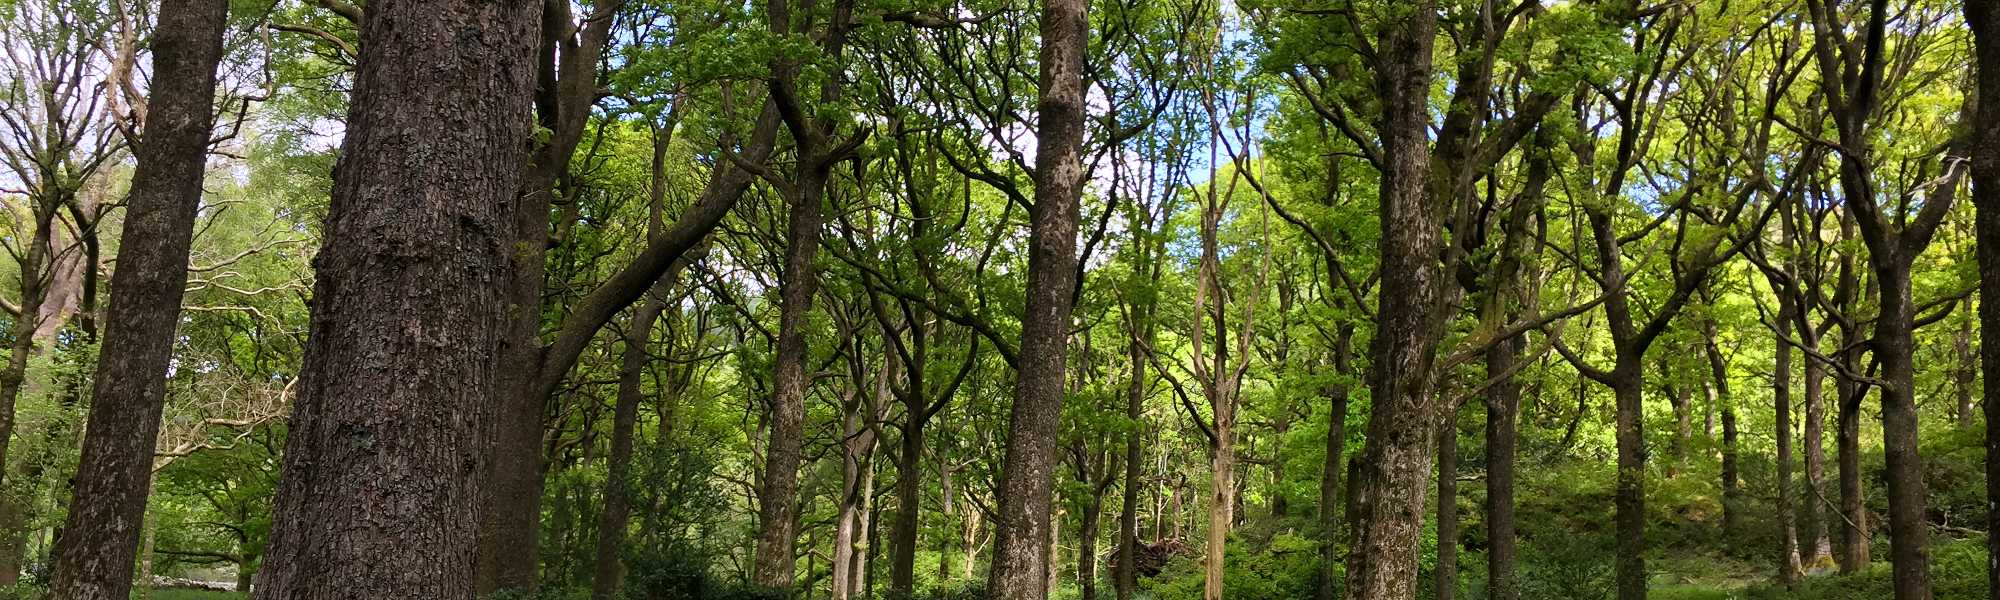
<point x="1086" y="546"/>
<point x="947" y="508"/>
<point x="857" y="482"/>
<point x="1126" y="577"/>
<point x="1854" y="535"/>
<point x="381" y="465"/>
<point x="94" y="555"/>
<point x="1446" y="573"/>
<point x="617" y="507"/>
<point x="244" y="574"/>
<point x="863" y="579"/>
<point x="846" y="523"/>
<point x="1029" y="465"/>
<point x="1503" y="406"/>
<point x="1820" y="543"/>
<point x="1330" y="498"/>
<point x="1221" y="500"/>
<point x="616" y="513"/>
<point x="24" y="346"/>
<point x="1054" y="566"/>
<point x="971" y="540"/>
<point x="1718" y="393"/>
<point x="909" y="498"/>
<point x="1781" y="392"/>
<point x="1683" y="427"/>
<point x="144" y="587"/>
<point x="1966" y="375"/>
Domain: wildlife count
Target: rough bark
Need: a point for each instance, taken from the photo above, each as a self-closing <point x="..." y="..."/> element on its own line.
<point x="778" y="491"/>
<point x="94" y="554"/>
<point x="1894" y="345"/>
<point x="381" y="466"/>
<point x="1396" y="462"/>
<point x="1019" y="560"/>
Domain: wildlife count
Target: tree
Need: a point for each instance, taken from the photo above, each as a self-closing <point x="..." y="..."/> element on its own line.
<point x="1852" y="80"/>
<point x="94" y="555"/>
<point x="381" y="468"/>
<point x="1020" y="556"/>
<point x="1984" y="18"/>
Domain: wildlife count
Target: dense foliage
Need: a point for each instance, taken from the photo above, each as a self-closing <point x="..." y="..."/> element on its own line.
<point x="1694" y="295"/>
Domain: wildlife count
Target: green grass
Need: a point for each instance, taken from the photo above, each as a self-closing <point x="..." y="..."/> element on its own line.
<point x="1694" y="592"/>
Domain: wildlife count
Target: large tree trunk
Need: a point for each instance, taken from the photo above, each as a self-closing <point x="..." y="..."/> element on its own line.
<point x="778" y="492"/>
<point x="94" y="554"/>
<point x="381" y="466"/>
<point x="1396" y="462"/>
<point x="1984" y="18"/>
<point x="1029" y="467"/>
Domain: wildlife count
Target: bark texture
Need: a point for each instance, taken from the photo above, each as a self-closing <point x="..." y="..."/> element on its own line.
<point x="94" y="554"/>
<point x="1389" y="487"/>
<point x="381" y="465"/>
<point x="1019" y="551"/>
